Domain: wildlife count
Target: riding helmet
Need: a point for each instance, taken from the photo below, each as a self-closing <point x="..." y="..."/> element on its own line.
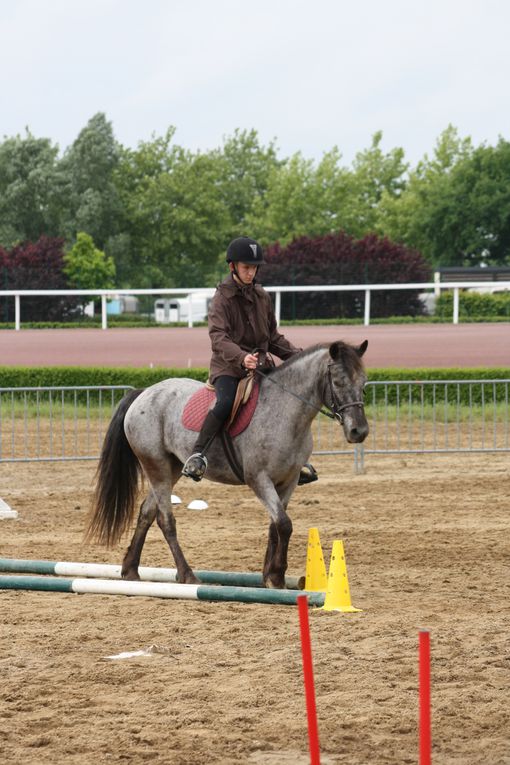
<point x="245" y="250"/>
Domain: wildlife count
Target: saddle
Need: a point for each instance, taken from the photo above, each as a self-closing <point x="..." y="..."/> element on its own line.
<point x="243" y="408"/>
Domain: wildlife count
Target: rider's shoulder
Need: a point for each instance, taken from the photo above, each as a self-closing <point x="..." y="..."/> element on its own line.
<point x="259" y="290"/>
<point x="227" y="288"/>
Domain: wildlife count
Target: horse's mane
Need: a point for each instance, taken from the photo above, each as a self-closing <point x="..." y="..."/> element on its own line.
<point x="350" y="358"/>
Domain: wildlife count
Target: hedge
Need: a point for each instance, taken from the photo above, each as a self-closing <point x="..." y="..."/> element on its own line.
<point x="477" y="306"/>
<point x="444" y="317"/>
<point x="19" y="377"/>
<point x="31" y="377"/>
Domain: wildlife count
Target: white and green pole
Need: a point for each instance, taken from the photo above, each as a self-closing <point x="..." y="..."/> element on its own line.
<point x="159" y="590"/>
<point x="146" y="573"/>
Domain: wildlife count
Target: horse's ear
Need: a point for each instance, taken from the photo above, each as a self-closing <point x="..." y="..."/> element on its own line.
<point x="360" y="350"/>
<point x="335" y="351"/>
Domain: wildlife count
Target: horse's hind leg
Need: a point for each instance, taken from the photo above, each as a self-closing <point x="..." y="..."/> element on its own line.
<point x="148" y="510"/>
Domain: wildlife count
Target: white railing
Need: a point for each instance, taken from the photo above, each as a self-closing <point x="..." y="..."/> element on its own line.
<point x="367" y="289"/>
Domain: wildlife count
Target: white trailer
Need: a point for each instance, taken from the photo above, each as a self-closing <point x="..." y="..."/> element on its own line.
<point x="170" y="310"/>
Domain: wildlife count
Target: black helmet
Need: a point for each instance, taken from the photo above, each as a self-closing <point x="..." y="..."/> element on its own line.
<point x="245" y="250"/>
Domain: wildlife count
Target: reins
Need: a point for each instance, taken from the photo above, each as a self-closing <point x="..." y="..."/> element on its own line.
<point x="335" y="410"/>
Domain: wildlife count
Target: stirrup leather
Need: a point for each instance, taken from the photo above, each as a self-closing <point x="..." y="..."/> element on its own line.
<point x="195" y="466"/>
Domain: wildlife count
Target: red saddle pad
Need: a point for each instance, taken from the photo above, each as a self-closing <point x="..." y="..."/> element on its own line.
<point x="200" y="402"/>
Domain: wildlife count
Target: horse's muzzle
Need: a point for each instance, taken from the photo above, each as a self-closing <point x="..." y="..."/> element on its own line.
<point x="357" y="433"/>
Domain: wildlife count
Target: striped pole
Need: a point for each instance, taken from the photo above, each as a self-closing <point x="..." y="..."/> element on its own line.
<point x="146" y="573"/>
<point x="159" y="590"/>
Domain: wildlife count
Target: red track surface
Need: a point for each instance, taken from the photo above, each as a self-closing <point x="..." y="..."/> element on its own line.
<point x="411" y="346"/>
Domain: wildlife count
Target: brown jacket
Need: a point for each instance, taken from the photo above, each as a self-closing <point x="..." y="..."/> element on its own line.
<point x="240" y="320"/>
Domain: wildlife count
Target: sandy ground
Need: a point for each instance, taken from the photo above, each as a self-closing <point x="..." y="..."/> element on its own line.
<point x="426" y="541"/>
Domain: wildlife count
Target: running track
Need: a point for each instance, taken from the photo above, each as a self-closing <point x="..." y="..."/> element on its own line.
<point x="409" y="346"/>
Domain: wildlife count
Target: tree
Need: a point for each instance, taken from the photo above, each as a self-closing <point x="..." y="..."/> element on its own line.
<point x="30" y="183"/>
<point x="88" y="268"/>
<point x="374" y="175"/>
<point x="429" y="215"/>
<point x="340" y="259"/>
<point x="308" y="199"/>
<point x="175" y="215"/>
<point x="479" y="210"/>
<point x="245" y="171"/>
<point x="91" y="200"/>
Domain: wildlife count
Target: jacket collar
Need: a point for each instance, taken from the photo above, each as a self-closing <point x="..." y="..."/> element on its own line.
<point x="231" y="288"/>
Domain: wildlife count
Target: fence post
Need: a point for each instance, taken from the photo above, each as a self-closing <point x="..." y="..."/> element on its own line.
<point x="17" y="312"/>
<point x="455" y="305"/>
<point x="278" y="307"/>
<point x="190" y="309"/>
<point x="104" y="320"/>
<point x="367" y="308"/>
<point x="437" y="282"/>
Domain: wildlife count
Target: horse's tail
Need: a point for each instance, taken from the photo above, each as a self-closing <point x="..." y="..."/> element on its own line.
<point x="116" y="481"/>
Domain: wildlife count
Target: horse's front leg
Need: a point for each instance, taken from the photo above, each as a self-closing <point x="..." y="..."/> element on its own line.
<point x="131" y="561"/>
<point x="280" y="530"/>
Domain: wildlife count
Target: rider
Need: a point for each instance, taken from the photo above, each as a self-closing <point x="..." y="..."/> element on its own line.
<point x="242" y="328"/>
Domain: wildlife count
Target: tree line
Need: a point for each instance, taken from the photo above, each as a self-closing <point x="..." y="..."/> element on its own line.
<point x="160" y="215"/>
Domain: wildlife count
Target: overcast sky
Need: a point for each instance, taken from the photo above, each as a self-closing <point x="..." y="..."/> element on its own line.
<point x="310" y="74"/>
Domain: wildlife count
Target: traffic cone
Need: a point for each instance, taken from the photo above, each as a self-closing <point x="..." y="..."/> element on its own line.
<point x="338" y="597"/>
<point x="316" y="577"/>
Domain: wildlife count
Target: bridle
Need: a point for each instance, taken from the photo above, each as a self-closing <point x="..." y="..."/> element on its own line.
<point x="336" y="409"/>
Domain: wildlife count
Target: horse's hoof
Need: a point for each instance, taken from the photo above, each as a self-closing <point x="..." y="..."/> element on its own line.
<point x="274" y="584"/>
<point x="308" y="474"/>
<point x="130" y="576"/>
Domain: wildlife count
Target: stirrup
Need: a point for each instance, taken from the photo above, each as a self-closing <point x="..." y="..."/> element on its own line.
<point x="195" y="466"/>
<point x="308" y="474"/>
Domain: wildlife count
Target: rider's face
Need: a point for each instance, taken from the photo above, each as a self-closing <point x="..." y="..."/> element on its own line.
<point x="246" y="272"/>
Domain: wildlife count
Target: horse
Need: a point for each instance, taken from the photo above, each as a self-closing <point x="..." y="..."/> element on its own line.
<point x="146" y="435"/>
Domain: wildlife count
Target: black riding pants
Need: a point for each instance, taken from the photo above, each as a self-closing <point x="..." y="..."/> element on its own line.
<point x="225" y="387"/>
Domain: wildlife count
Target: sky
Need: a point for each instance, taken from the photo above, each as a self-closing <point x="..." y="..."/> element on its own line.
<point x="307" y="74"/>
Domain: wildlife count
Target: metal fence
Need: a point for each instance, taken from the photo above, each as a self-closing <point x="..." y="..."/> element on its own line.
<point x="431" y="416"/>
<point x="413" y="417"/>
<point x="55" y="423"/>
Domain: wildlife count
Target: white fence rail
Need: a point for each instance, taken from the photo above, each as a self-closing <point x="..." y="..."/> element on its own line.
<point x="367" y="289"/>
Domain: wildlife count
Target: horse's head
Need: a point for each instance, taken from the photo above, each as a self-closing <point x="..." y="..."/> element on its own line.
<point x="343" y="391"/>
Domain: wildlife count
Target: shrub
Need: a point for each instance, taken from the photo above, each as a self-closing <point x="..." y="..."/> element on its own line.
<point x="340" y="259"/>
<point x="36" y="266"/>
<point x="474" y="304"/>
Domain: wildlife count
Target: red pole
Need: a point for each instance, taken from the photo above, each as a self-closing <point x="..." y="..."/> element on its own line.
<point x="306" y="650"/>
<point x="424" y="672"/>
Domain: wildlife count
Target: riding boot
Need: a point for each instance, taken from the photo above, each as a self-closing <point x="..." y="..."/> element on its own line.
<point x="308" y="474"/>
<point x="196" y="465"/>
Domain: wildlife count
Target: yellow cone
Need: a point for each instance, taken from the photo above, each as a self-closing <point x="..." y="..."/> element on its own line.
<point x="316" y="577"/>
<point x="338" y="597"/>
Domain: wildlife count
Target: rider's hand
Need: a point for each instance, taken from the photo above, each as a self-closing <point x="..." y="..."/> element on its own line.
<point x="250" y="361"/>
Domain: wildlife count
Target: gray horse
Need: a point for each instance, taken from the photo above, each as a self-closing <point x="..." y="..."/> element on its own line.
<point x="146" y="433"/>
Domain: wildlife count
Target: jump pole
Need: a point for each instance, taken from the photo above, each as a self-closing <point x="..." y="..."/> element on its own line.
<point x="424" y="703"/>
<point x="306" y="650"/>
<point x="146" y="573"/>
<point x="159" y="590"/>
